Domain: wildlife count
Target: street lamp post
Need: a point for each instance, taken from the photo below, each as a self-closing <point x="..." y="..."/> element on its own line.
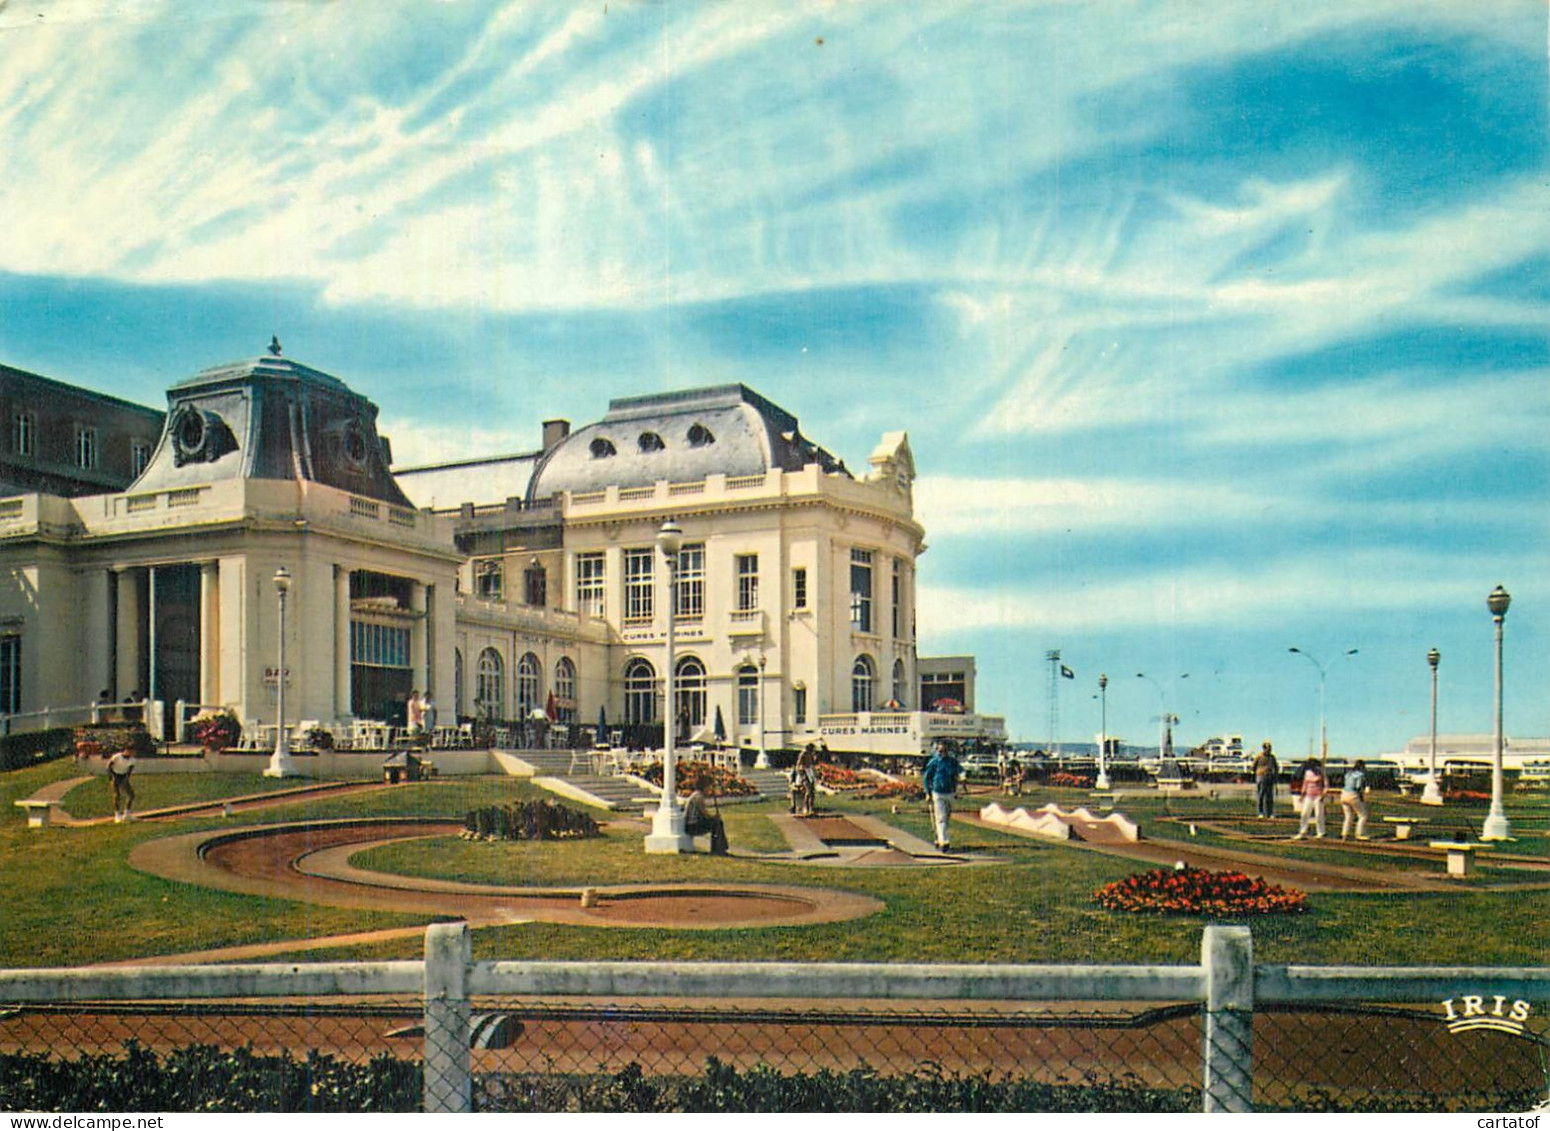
<point x="1323" y="672"/>
<point x="1103" y="734"/>
<point x="1167" y="718"/>
<point x="762" y="762"/>
<point x="667" y="834"/>
<point x="1497" y="827"/>
<point x="1432" y="794"/>
<point x="280" y="764"/>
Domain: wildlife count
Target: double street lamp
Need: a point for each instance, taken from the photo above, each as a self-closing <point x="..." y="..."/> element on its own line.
<point x="667" y="834"/>
<point x="1497" y="827"/>
<point x="1323" y="672"/>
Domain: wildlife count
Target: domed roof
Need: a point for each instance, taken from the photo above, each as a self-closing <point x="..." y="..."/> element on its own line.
<point x="680" y="437"/>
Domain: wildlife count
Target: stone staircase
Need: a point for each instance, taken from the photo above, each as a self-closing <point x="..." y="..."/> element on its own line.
<point x="552" y="770"/>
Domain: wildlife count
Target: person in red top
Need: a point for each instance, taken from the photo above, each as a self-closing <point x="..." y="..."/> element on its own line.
<point x="1314" y="783"/>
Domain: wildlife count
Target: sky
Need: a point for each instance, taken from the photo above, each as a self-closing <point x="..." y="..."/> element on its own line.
<point x="1217" y="328"/>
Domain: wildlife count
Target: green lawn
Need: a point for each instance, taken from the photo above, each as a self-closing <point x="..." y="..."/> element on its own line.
<point x="74" y="899"/>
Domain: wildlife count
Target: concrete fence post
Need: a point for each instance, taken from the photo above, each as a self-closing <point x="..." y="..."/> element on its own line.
<point x="179" y="711"/>
<point x="448" y="1079"/>
<point x="1227" y="956"/>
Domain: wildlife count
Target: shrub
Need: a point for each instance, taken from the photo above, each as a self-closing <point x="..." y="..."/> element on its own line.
<point x="713" y="781"/>
<point x="539" y="819"/>
<point x="109" y="738"/>
<point x="18" y="751"/>
<point x="215" y="730"/>
<point x="320" y="738"/>
<point x="1198" y="891"/>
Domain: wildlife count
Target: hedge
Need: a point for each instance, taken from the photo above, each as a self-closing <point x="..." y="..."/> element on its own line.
<point x="17" y="751"/>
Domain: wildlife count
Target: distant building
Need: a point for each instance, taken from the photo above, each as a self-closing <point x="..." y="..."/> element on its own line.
<point x="62" y="440"/>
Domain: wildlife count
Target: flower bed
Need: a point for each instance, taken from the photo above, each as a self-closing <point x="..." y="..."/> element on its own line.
<point x="215" y="730"/>
<point x="1070" y="780"/>
<point x="898" y="789"/>
<point x="838" y="777"/>
<point x="713" y="781"/>
<point x="1199" y="891"/>
<point x="1465" y="795"/>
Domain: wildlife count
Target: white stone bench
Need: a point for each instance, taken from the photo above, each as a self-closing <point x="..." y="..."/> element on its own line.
<point x="1403" y="825"/>
<point x="38" y="812"/>
<point x="1461" y="857"/>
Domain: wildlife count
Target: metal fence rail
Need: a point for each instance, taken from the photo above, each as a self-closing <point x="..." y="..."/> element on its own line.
<point x="1223" y="1035"/>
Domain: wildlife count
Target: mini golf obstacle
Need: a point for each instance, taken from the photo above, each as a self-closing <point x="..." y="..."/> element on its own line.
<point x="1059" y="824"/>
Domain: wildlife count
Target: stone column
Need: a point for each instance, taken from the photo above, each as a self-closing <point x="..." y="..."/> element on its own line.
<point x="210" y="632"/>
<point x="419" y="632"/>
<point x="341" y="641"/>
<point x="127" y="633"/>
<point x="98" y="631"/>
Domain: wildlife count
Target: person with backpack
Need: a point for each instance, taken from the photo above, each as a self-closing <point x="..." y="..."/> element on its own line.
<point x="940" y="778"/>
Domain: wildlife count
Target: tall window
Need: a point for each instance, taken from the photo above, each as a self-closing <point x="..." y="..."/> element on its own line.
<point x="24" y="434"/>
<point x="565" y="688"/>
<point x="691" y="582"/>
<point x="10" y="674"/>
<point x="689" y="690"/>
<point x="747" y="695"/>
<point x="638" y="586"/>
<point x="489" y="579"/>
<point x="85" y="447"/>
<point x="901" y="688"/>
<point x="457" y="682"/>
<point x="898" y="596"/>
<point x="863" y="683"/>
<point x="590" y="598"/>
<point x="379" y="645"/>
<point x="799" y="588"/>
<point x="535" y="586"/>
<point x="799" y="705"/>
<point x="861" y="590"/>
<point x="640" y="692"/>
<point x="747" y="582"/>
<point x="139" y="455"/>
<point x="490" y="685"/>
<point x="529" y="679"/>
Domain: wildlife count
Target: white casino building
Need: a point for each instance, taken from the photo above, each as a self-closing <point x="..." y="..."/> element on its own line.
<point x="506" y="586"/>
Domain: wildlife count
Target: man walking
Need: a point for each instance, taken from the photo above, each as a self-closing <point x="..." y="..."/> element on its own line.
<point x="1265" y="770"/>
<point x="940" y="777"/>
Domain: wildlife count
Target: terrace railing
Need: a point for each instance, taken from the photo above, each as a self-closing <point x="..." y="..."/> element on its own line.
<point x="1224" y="1034"/>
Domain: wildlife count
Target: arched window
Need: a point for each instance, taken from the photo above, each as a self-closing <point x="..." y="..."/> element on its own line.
<point x="747" y="696"/>
<point x="650" y="442"/>
<point x="529" y="680"/>
<point x="640" y="692"/>
<point x="565" y="688"/>
<point x="457" y="683"/>
<point x="689" y="690"/>
<point x="602" y="448"/>
<point x="699" y="436"/>
<point x="490" y="685"/>
<point x="901" y="687"/>
<point x="863" y="682"/>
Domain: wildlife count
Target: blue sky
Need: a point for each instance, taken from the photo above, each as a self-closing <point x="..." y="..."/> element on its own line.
<point x="1216" y="328"/>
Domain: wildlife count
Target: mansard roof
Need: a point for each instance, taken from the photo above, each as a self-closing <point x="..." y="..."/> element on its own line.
<point x="680" y="437"/>
<point x="271" y="418"/>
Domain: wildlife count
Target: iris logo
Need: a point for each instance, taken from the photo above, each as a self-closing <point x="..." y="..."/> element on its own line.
<point x="1474" y="1013"/>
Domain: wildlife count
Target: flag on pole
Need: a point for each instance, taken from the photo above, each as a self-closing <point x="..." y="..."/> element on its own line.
<point x="1066" y="673"/>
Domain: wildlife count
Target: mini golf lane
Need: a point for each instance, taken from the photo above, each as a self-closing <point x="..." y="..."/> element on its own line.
<point x="310" y="862"/>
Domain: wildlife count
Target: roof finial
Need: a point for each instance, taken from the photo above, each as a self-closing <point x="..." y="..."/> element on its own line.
<point x="274" y="344"/>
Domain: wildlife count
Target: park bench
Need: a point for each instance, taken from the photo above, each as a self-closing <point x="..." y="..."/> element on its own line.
<point x="37" y="812"/>
<point x="1403" y="825"/>
<point x="1461" y="857"/>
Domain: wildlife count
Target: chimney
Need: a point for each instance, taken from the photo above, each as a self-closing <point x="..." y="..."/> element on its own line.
<point x="554" y="432"/>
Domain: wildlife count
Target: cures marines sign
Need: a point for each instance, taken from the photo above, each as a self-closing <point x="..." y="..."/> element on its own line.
<point x="1481" y="1011"/>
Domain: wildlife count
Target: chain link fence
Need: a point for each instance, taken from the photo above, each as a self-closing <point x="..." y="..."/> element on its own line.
<point x="449" y="1034"/>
